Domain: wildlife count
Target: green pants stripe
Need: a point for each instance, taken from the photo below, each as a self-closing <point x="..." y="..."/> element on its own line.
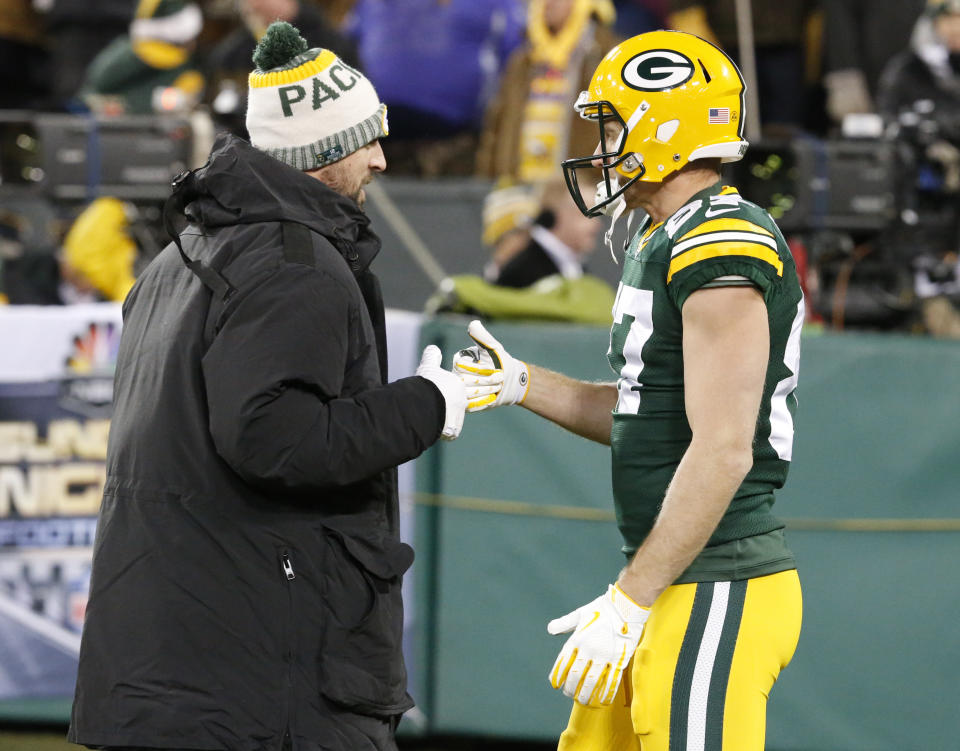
<point x="703" y="667"/>
<point x="686" y="664"/>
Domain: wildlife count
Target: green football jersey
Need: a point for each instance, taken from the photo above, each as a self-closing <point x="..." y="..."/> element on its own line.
<point x="716" y="239"/>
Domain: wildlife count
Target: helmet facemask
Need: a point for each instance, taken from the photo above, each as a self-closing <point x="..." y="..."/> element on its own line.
<point x="608" y="192"/>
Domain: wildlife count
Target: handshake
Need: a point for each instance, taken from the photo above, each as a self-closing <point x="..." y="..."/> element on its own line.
<point x="484" y="376"/>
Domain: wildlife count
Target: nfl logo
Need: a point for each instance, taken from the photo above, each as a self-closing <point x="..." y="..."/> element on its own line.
<point x="718" y="116"/>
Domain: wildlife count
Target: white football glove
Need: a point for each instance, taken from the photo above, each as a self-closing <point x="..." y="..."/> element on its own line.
<point x="605" y="635"/>
<point x="452" y="388"/>
<point x="491" y="376"/>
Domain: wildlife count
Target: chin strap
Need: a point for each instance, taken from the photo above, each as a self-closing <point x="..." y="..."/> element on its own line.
<point x="619" y="206"/>
<point x="614" y="210"/>
<point x="608" y="235"/>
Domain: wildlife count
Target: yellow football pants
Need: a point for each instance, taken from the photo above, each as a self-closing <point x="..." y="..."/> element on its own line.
<point x="700" y="677"/>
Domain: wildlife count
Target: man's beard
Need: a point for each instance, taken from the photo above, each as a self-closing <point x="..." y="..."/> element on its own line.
<point x="359" y="197"/>
<point x="338" y="181"/>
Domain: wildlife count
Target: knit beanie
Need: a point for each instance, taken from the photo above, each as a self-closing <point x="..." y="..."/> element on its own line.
<point x="508" y="206"/>
<point x="306" y="107"/>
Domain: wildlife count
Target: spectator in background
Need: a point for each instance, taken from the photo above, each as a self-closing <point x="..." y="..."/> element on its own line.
<point x="24" y="78"/>
<point x="435" y="63"/>
<point x="228" y="62"/>
<point x="152" y="68"/>
<point x="95" y="262"/>
<point x="77" y="30"/>
<point x="919" y="91"/>
<point x="538" y="241"/>
<point x="561" y="238"/>
<point x="858" y="43"/>
<point x="531" y="126"/>
<point x="785" y="40"/>
<point x="929" y="69"/>
<point x="99" y="252"/>
<point x="508" y="211"/>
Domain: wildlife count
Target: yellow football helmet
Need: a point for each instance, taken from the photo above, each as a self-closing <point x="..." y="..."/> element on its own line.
<point x="661" y="100"/>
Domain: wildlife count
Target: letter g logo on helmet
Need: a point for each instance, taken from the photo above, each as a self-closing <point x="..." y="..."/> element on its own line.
<point x="657" y="70"/>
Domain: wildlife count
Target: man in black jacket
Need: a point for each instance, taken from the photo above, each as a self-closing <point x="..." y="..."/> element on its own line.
<point x="245" y="593"/>
<point x="561" y="238"/>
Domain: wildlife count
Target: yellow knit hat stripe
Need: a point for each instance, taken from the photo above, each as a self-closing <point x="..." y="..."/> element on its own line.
<point x="321" y="62"/>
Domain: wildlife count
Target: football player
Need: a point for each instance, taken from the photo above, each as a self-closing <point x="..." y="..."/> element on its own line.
<point x="681" y="651"/>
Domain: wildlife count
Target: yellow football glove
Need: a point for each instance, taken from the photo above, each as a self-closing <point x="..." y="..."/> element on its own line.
<point x="491" y="376"/>
<point x="605" y="636"/>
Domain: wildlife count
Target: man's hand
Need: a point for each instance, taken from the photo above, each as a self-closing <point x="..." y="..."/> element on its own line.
<point x="451" y="387"/>
<point x="605" y="635"/>
<point x="491" y="376"/>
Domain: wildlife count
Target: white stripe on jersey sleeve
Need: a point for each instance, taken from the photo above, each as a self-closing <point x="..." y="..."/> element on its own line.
<point x="708" y="238"/>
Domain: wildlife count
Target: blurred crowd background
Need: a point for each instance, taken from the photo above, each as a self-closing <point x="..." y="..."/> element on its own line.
<point x="853" y="117"/>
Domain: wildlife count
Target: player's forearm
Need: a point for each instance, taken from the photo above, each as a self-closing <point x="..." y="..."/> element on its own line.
<point x="702" y="487"/>
<point x="579" y="406"/>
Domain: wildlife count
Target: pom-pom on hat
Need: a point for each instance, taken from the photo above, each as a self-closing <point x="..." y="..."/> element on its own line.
<point x="306" y="107"/>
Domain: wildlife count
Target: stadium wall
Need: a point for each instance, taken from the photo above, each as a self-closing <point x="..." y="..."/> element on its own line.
<point x="513" y="526"/>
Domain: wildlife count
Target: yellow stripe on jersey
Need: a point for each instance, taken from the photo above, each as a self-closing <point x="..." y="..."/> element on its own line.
<point x="715" y="250"/>
<point x="647" y="235"/>
<point x="713" y="237"/>
<point x="720" y="225"/>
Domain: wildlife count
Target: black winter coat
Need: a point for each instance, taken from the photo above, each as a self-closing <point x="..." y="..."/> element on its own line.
<point x="909" y="79"/>
<point x="247" y="565"/>
<point x="529" y="266"/>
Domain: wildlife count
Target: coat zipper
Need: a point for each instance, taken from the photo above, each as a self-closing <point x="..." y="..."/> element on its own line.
<point x="288" y="572"/>
<point x="287" y="566"/>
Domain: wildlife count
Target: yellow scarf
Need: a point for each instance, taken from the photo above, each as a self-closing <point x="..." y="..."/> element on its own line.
<point x="555" y="49"/>
<point x="160" y="55"/>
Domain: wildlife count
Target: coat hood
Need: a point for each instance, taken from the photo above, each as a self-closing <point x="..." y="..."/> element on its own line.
<point x="240" y="184"/>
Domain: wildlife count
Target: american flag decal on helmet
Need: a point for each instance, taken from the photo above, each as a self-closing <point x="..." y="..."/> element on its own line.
<point x="718" y="116"/>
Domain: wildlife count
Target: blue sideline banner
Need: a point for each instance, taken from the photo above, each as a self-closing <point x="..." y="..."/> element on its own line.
<point x="56" y="388"/>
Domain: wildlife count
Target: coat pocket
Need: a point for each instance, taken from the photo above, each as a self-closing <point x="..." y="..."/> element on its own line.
<point x="361" y="662"/>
